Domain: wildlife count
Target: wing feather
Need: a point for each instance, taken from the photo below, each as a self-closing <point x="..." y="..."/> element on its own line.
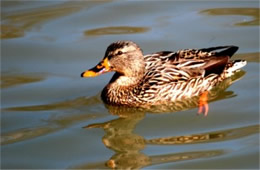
<point x="170" y="66"/>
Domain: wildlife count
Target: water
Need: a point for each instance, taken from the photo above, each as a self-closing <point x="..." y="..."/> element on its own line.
<point x="52" y="118"/>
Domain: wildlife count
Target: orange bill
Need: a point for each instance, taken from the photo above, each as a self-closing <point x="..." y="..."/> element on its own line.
<point x="100" y="68"/>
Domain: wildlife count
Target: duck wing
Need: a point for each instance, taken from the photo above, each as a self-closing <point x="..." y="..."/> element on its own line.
<point x="215" y="59"/>
<point x="182" y="65"/>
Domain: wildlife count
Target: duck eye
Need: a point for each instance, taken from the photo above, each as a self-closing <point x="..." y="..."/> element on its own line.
<point x="119" y="52"/>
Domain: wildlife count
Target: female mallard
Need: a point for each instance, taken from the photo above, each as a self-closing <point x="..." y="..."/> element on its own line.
<point x="162" y="77"/>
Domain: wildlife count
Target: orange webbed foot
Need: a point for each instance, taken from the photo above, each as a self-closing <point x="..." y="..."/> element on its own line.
<point x="203" y="103"/>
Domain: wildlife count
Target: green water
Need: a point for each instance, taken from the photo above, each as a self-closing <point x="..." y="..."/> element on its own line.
<point x="52" y="118"/>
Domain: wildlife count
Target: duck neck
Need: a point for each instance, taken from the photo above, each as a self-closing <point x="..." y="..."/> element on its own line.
<point x="124" y="84"/>
<point x="121" y="80"/>
<point x="121" y="88"/>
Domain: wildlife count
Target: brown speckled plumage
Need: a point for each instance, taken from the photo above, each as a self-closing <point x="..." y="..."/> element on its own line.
<point x="163" y="76"/>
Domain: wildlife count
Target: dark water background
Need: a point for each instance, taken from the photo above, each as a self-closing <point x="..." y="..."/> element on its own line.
<point x="52" y="118"/>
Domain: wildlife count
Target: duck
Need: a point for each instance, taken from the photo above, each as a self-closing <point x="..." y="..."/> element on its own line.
<point x="163" y="77"/>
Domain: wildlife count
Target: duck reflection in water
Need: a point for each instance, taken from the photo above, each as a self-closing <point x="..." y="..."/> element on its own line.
<point x="128" y="146"/>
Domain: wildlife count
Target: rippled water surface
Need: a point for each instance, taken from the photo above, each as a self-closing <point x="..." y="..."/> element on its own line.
<point x="52" y="118"/>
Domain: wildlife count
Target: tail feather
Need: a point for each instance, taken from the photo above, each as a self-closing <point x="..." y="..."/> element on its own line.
<point x="234" y="66"/>
<point x="228" y="50"/>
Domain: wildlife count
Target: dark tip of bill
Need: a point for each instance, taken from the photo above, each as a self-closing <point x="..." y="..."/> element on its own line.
<point x="81" y="75"/>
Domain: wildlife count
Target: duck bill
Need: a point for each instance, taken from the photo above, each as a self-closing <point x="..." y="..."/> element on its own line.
<point x="100" y="68"/>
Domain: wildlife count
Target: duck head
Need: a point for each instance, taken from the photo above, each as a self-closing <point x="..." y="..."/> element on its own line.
<point x="123" y="57"/>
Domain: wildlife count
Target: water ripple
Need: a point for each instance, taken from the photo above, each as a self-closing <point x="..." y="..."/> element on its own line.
<point x="115" y="30"/>
<point x="252" y="12"/>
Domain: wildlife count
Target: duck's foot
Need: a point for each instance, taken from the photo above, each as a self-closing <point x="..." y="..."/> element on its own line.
<point x="203" y="104"/>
